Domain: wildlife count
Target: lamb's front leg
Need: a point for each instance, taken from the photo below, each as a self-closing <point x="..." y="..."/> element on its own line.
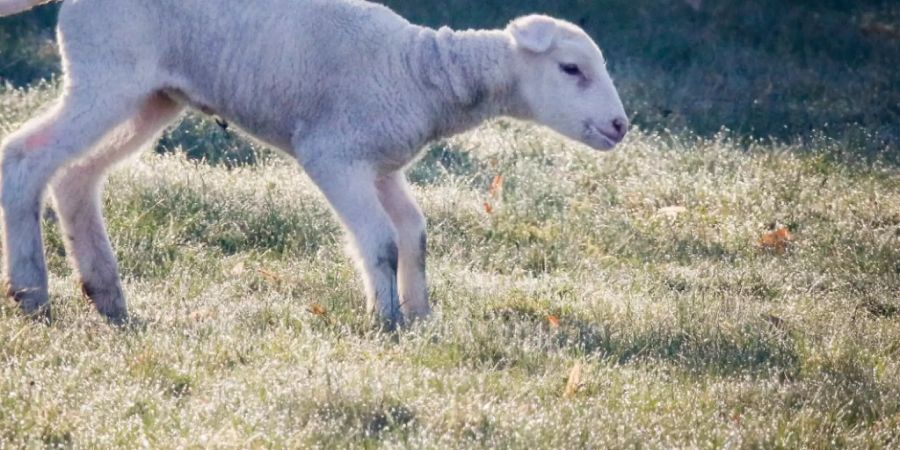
<point x="352" y="193"/>
<point x="411" y="239"/>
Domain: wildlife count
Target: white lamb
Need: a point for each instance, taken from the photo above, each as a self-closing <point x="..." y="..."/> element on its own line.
<point x="350" y="89"/>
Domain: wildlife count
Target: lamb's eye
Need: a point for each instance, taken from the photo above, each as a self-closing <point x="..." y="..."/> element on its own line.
<point x="570" y="69"/>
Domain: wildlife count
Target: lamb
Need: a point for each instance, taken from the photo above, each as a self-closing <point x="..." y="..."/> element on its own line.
<point x="348" y="88"/>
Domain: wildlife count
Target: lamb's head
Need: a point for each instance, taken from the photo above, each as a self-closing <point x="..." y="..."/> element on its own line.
<point x="563" y="82"/>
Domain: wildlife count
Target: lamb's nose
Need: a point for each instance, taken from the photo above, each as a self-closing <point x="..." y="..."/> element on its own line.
<point x="620" y="124"/>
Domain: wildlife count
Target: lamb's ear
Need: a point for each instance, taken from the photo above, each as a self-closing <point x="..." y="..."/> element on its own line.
<point x="534" y="33"/>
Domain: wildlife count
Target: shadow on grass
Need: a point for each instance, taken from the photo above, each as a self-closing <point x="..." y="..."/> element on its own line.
<point x="653" y="247"/>
<point x="341" y="420"/>
<point x="441" y="161"/>
<point x="654" y="244"/>
<point x="754" y="349"/>
<point x="757" y="348"/>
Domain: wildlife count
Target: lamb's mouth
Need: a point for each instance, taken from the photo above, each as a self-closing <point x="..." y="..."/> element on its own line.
<point x="597" y="138"/>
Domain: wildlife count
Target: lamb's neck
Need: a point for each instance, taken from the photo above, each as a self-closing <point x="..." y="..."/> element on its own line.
<point x="468" y="76"/>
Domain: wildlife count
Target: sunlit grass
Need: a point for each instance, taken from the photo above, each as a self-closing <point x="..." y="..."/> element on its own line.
<point x="689" y="333"/>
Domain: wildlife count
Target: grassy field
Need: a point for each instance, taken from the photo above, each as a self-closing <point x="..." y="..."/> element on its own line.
<point x="624" y="300"/>
<point x="730" y="278"/>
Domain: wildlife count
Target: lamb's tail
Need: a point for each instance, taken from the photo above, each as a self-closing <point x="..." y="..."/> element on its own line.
<point x="10" y="7"/>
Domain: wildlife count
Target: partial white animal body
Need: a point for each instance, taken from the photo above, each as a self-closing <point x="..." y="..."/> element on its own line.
<point x="348" y="88"/>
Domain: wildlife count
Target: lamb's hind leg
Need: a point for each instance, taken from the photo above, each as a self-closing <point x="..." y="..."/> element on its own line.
<point x="30" y="158"/>
<point x="393" y="191"/>
<point x="76" y="192"/>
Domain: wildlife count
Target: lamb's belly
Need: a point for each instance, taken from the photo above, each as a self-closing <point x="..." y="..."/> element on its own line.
<point x="273" y="125"/>
<point x="267" y="119"/>
<point x="397" y="151"/>
<point x="250" y="91"/>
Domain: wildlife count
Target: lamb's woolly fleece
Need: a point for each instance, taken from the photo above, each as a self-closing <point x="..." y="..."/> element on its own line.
<point x="349" y="88"/>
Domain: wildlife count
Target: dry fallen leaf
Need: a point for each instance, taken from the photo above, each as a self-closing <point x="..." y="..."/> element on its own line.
<point x="270" y="276"/>
<point x="777" y="241"/>
<point x="496" y="189"/>
<point x="553" y="321"/>
<point x="318" y="310"/>
<point x="495" y="193"/>
<point x="201" y="315"/>
<point x="574" y="384"/>
<point x="775" y="321"/>
<point x="671" y="212"/>
<point x="880" y="30"/>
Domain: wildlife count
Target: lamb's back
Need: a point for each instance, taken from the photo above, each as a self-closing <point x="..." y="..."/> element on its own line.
<point x="270" y="64"/>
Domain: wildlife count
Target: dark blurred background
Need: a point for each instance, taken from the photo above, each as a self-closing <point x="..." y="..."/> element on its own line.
<point x="783" y="69"/>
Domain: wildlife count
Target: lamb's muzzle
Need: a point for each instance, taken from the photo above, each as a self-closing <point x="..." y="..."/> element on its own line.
<point x="605" y="138"/>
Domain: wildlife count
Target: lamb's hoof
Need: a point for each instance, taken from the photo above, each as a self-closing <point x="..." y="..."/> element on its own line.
<point x="416" y="315"/>
<point x="387" y="322"/>
<point x="34" y="303"/>
<point x="42" y="314"/>
<point x="109" y="302"/>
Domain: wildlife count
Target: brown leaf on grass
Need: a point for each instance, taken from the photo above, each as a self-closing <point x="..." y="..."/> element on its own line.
<point x="496" y="189"/>
<point x="574" y="384"/>
<point x="671" y="212"/>
<point x="495" y="193"/>
<point x="777" y="241"/>
<point x="880" y="30"/>
<point x="270" y="276"/>
<point x="553" y="321"/>
<point x="201" y="315"/>
<point x="317" y="310"/>
<point x="775" y="321"/>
